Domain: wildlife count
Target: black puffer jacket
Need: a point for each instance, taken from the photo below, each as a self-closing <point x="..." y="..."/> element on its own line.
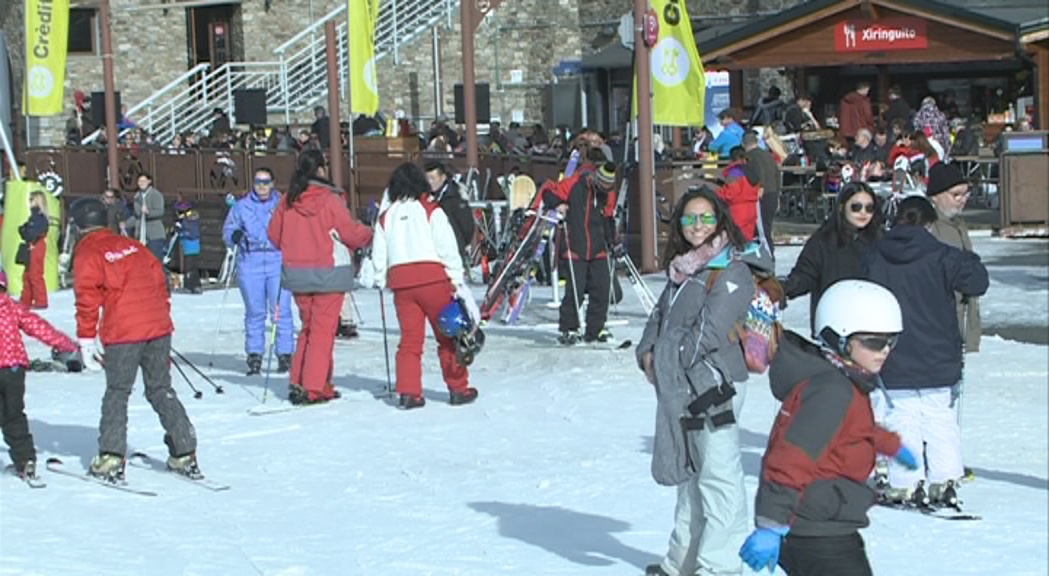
<point x="823" y="262"/>
<point x="924" y="274"/>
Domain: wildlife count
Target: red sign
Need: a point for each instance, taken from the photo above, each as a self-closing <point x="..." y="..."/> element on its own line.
<point x="880" y="35"/>
<point x="651" y="28"/>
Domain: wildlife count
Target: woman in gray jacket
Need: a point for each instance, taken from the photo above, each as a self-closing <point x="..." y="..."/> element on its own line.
<point x="689" y="354"/>
<point x="149" y="216"/>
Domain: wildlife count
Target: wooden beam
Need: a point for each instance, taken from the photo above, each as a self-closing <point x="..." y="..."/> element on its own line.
<point x="780" y="30"/>
<point x="1008" y="36"/>
<point x="1041" y="60"/>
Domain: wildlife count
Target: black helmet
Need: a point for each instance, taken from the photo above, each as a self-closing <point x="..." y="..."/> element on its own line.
<point x="88" y="213"/>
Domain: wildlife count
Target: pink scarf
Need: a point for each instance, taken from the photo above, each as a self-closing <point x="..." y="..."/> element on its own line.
<point x="687" y="264"/>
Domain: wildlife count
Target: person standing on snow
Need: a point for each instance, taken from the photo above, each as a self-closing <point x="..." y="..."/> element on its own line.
<point x="15" y="319"/>
<point x="416" y="256"/>
<point x="587" y="203"/>
<point x="316" y="235"/>
<point x="812" y="497"/>
<point x="34" y="233"/>
<point x="149" y="210"/>
<point x="259" y="272"/>
<point x="446" y="193"/>
<point x="122" y="300"/>
<point x="689" y="354"/>
<point x="925" y="274"/>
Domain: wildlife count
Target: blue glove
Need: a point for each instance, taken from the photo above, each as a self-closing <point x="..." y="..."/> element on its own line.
<point x="905" y="457"/>
<point x="761" y="550"/>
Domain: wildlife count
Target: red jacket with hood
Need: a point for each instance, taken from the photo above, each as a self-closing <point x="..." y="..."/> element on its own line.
<point x="742" y="198"/>
<point x="15" y="319"/>
<point x="315" y="237"/>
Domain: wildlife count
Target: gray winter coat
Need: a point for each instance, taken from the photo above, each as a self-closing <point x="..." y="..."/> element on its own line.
<point x="696" y="363"/>
<point x="155" y="219"/>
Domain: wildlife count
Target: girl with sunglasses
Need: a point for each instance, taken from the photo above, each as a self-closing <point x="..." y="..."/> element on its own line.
<point x="812" y="497"/>
<point x="835" y="251"/>
<point x="926" y="276"/>
<point x="689" y="354"/>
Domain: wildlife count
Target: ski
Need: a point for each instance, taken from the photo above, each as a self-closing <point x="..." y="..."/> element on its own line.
<point x="282" y="407"/>
<point x="143" y="461"/>
<point x="55" y="465"/>
<point x="607" y="346"/>
<point x="31" y="481"/>
<point x="943" y="513"/>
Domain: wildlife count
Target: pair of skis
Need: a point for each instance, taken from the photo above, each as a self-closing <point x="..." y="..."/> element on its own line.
<point x="138" y="460"/>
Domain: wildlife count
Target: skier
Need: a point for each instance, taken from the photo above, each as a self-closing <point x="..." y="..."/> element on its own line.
<point x="258" y="273"/>
<point x="687" y="354"/>
<point x="416" y="256"/>
<point x="446" y="193"/>
<point x="316" y="235"/>
<point x="15" y="319"/>
<point x="187" y="230"/>
<point x="122" y="300"/>
<point x="149" y="210"/>
<point x="812" y="497"/>
<point x="925" y="274"/>
<point x="587" y="202"/>
<point x="34" y="233"/>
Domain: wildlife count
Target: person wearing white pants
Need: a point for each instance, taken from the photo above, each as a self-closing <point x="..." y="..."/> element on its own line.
<point x="925" y="416"/>
<point x="710" y="517"/>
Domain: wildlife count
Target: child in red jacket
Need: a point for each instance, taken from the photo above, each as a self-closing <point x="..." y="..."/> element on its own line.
<point x="15" y="319"/>
<point x="740" y="194"/>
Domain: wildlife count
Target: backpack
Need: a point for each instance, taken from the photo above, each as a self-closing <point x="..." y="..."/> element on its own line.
<point x="760" y="332"/>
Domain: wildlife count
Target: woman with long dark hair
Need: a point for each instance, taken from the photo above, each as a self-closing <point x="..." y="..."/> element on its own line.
<point x="689" y="354"/>
<point x="835" y="251"/>
<point x="316" y="236"/>
<point x="417" y="257"/>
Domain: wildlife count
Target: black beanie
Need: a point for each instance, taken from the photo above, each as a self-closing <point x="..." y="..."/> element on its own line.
<point x="943" y="177"/>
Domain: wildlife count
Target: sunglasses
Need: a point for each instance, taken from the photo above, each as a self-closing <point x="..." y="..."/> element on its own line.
<point x="878" y="343"/>
<point x="706" y="219"/>
<point x="857" y="207"/>
<point x="263" y="181"/>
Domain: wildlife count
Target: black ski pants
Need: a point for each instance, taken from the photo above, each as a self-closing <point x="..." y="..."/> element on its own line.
<point x="824" y="556"/>
<point x="13" y="420"/>
<point x="585" y="277"/>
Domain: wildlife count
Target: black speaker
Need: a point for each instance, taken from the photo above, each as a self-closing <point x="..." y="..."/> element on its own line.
<point x="484" y="110"/>
<point x="249" y="106"/>
<point x="562" y="104"/>
<point x="98" y="108"/>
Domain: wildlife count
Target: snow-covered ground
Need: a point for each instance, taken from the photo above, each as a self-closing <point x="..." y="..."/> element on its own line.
<point x="547" y="474"/>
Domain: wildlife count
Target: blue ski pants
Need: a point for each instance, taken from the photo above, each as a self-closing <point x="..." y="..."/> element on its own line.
<point x="258" y="276"/>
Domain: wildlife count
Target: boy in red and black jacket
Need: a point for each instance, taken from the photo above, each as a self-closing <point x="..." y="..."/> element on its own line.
<point x="15" y="319"/>
<point x="741" y="194"/>
<point x="586" y="202"/>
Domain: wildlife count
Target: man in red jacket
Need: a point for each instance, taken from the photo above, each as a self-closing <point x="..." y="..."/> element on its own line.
<point x="119" y="280"/>
<point x="854" y="112"/>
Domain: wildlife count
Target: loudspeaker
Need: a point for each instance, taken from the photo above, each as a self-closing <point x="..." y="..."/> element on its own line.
<point x="484" y="111"/>
<point x="249" y="106"/>
<point x="98" y="108"/>
<point x="562" y="103"/>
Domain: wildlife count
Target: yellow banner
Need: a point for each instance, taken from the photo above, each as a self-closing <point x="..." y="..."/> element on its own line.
<point x="364" y="87"/>
<point x="678" y="85"/>
<point x="47" y="36"/>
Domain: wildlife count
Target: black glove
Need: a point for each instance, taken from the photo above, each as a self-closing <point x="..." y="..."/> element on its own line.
<point x="238" y="235"/>
<point x="618" y="250"/>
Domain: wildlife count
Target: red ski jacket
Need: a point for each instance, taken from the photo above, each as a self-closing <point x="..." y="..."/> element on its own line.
<point x="121" y="278"/>
<point x="742" y="199"/>
<point x="15" y="319"/>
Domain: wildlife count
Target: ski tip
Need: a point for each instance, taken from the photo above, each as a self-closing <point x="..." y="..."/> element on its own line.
<point x="53" y="460"/>
<point x="625" y="344"/>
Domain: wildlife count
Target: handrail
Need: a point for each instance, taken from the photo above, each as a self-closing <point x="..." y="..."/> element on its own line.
<point x="309" y="29"/>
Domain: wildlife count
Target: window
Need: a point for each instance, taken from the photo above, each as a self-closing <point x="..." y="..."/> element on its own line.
<point x="82" y="30"/>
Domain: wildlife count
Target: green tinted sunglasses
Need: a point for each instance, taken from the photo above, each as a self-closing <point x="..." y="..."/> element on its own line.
<point x="706" y="218"/>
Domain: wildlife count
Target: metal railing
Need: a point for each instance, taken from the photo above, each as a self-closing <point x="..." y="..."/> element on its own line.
<point x="293" y="82"/>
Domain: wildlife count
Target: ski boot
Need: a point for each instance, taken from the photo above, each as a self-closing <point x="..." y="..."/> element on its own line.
<point x="185" y="465"/>
<point x="347" y="331"/>
<point x="568" y="338"/>
<point x="108" y="467"/>
<point x="283" y="363"/>
<point x="466" y="396"/>
<point x="655" y="570"/>
<point x="881" y="474"/>
<point x="296" y="394"/>
<point x="945" y="494"/>
<point x="603" y="336"/>
<point x="410" y="402"/>
<point x="254" y="364"/>
<point x="28" y="471"/>
<point x="916" y="497"/>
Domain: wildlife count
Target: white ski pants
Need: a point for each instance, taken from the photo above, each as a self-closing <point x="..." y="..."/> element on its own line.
<point x="710" y="519"/>
<point x="926" y="422"/>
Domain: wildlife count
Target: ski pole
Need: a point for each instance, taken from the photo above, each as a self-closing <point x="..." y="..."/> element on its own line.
<point x="196" y="393"/>
<point x="356" y="310"/>
<point x="192" y="366"/>
<point x="222" y="308"/>
<point x="385" y="345"/>
<point x="273" y="346"/>
<point x="571" y="272"/>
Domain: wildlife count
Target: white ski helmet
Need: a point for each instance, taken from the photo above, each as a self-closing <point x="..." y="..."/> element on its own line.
<point x="852" y="306"/>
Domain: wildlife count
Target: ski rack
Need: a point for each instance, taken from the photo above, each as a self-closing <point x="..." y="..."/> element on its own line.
<point x="644" y="293"/>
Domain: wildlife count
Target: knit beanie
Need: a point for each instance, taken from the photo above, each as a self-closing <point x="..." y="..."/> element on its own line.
<point x="606" y="175"/>
<point x="943" y="177"/>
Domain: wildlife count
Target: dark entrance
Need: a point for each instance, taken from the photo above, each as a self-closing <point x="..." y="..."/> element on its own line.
<point x="209" y="34"/>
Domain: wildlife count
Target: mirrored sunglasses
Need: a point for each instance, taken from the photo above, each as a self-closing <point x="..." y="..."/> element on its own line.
<point x="857" y="207"/>
<point x="263" y="181"/>
<point x="878" y="343"/>
<point x="706" y="218"/>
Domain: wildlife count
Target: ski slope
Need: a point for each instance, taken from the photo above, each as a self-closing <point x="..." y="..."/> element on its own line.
<point x="547" y="474"/>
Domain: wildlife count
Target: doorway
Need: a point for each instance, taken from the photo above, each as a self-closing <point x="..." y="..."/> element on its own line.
<point x="209" y="34"/>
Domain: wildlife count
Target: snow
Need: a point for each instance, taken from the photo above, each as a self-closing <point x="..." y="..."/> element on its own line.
<point x="547" y="474"/>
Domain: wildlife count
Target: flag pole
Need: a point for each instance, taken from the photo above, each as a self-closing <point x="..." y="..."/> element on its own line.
<point x="646" y="162"/>
<point x="110" y="94"/>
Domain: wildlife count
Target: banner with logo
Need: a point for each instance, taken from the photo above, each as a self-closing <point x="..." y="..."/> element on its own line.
<point x="364" y="86"/>
<point x="678" y="85"/>
<point x="47" y="36"/>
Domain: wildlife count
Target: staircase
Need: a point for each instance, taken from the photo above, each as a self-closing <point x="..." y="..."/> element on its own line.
<point x="294" y="81"/>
